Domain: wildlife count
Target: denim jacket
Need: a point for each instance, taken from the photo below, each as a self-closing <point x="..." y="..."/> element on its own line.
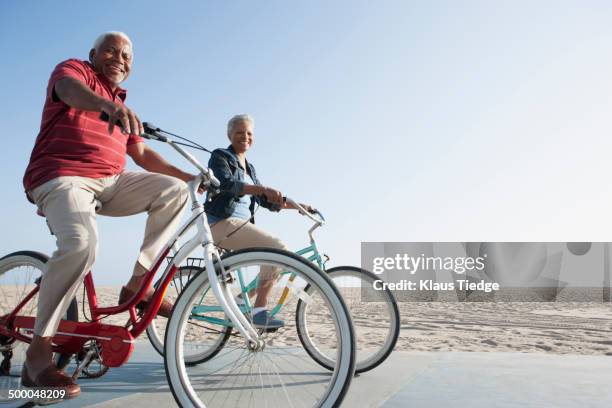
<point x="229" y="171"/>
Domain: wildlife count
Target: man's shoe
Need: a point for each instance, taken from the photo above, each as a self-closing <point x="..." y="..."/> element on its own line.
<point x="262" y="320"/>
<point x="51" y="377"/>
<point x="165" y="310"/>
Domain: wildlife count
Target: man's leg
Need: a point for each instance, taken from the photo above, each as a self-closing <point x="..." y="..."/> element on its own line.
<point x="250" y="236"/>
<point x="163" y="197"/>
<point x="70" y="210"/>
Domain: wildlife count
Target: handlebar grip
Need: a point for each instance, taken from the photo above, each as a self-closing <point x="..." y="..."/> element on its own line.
<point x="104" y="117"/>
<point x="149" y="128"/>
<point x="317" y="212"/>
<point x="214" y="182"/>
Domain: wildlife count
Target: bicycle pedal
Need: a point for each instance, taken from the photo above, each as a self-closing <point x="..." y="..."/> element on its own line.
<point x="5" y="365"/>
<point x="269" y="329"/>
<point x="5" y="369"/>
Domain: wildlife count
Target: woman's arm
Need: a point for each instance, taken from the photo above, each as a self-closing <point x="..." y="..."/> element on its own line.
<point x="228" y="183"/>
<point x="271" y="195"/>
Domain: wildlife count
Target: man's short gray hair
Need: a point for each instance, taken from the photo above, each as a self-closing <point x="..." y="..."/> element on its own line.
<point x="107" y="34"/>
<point x="243" y="117"/>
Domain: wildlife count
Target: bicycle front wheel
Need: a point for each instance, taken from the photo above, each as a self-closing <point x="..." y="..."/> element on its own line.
<point x="375" y="318"/>
<point x="279" y="374"/>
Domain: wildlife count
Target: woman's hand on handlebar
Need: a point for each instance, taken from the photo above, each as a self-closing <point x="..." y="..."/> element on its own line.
<point x="273" y="196"/>
<point x="309" y="208"/>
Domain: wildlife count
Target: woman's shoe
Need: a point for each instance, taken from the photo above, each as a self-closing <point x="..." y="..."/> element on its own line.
<point x="262" y="320"/>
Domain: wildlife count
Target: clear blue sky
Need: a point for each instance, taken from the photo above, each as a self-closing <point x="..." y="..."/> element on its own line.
<point x="402" y="121"/>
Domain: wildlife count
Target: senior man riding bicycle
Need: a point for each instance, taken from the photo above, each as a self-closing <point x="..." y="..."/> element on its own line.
<point x="78" y="160"/>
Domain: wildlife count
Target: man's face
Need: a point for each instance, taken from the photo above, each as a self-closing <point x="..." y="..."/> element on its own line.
<point x="113" y="58"/>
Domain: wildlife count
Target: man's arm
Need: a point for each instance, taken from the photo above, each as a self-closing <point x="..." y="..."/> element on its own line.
<point x="150" y="160"/>
<point x="76" y="94"/>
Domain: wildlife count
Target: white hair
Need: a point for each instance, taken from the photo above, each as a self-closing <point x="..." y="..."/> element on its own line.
<point x="107" y="34"/>
<point x="243" y="117"/>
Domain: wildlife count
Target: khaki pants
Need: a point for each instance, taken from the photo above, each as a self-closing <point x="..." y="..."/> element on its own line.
<point x="68" y="203"/>
<point x="247" y="236"/>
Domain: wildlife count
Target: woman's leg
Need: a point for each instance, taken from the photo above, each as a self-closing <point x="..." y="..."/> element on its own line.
<point x="249" y="235"/>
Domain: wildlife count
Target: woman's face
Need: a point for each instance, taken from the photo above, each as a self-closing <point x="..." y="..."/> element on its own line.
<point x="242" y="136"/>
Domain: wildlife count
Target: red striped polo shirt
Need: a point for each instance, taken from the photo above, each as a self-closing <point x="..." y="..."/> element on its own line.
<point x="73" y="142"/>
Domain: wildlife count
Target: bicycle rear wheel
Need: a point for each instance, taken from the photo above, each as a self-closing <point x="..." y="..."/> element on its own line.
<point x="20" y="272"/>
<point x="281" y="373"/>
<point x="375" y="318"/>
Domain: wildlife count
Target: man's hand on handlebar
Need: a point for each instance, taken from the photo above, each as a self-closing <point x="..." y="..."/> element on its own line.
<point x="130" y="124"/>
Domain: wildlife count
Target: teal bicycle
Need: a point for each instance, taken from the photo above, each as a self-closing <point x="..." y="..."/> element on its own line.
<point x="374" y="313"/>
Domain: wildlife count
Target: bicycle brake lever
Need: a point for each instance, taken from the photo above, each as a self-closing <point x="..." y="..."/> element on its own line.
<point x="150" y="128"/>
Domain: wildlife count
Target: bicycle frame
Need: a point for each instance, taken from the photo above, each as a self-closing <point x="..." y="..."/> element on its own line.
<point x="117" y="341"/>
<point x="314" y="257"/>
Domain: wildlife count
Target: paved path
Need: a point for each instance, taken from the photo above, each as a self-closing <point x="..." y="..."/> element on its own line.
<point x="407" y="379"/>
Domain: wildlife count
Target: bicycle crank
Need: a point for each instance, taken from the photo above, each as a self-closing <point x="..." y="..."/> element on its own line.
<point x="5" y="365"/>
<point x="92" y="353"/>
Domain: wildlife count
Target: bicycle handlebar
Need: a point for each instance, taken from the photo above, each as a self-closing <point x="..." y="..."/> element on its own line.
<point x="320" y="220"/>
<point x="152" y="132"/>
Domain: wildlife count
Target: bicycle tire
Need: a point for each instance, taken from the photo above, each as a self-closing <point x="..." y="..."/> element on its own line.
<point x="37" y="261"/>
<point x="340" y="379"/>
<point x="157" y="340"/>
<point x="373" y="361"/>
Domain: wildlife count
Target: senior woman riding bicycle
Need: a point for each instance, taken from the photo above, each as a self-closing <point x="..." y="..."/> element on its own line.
<point x="230" y="213"/>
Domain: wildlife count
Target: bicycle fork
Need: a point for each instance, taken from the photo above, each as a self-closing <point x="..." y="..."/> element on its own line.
<point x="220" y="287"/>
<point x="226" y="299"/>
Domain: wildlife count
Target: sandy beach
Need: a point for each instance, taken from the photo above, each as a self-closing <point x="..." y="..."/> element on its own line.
<point x="535" y="327"/>
<point x="532" y="327"/>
